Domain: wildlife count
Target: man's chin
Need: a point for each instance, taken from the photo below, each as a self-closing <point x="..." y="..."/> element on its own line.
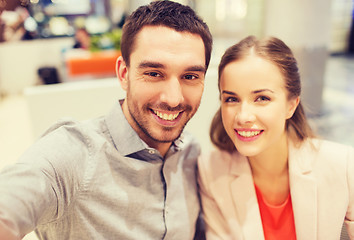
<point x="167" y="136"/>
<point x="165" y="139"/>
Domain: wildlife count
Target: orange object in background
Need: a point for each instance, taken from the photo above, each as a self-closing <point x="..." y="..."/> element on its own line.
<point x="92" y="63"/>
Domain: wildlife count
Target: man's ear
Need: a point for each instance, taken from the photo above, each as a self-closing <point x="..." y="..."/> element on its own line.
<point x="293" y="103"/>
<point x="122" y="72"/>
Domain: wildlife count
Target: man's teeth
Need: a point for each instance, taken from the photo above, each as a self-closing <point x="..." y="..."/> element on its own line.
<point x="166" y="116"/>
<point x="248" y="133"/>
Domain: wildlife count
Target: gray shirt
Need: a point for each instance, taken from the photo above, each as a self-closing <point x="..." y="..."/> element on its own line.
<point x="98" y="180"/>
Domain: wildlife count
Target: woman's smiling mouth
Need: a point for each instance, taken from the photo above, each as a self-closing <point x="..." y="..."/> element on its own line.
<point x="247" y="135"/>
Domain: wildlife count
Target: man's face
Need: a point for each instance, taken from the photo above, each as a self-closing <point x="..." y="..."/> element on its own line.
<point x="164" y="83"/>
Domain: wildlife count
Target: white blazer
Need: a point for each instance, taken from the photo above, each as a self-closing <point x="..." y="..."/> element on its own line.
<point x="321" y="184"/>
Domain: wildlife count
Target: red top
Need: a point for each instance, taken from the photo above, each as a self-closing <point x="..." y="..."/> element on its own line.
<point x="278" y="221"/>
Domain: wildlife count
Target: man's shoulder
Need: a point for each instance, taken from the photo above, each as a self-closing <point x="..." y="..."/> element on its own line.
<point x="189" y="139"/>
<point x="80" y="130"/>
<point x="187" y="149"/>
<point x="188" y="142"/>
<point x="68" y="139"/>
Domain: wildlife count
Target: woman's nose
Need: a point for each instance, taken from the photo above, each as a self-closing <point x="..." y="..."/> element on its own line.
<point x="245" y="114"/>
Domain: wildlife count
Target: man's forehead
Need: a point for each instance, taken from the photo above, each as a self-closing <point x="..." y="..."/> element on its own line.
<point x="161" y="46"/>
<point x="150" y="33"/>
<point x="155" y="64"/>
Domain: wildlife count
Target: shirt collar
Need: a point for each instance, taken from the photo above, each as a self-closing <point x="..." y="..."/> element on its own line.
<point x="126" y="140"/>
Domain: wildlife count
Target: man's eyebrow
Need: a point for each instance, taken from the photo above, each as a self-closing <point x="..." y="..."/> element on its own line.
<point x="197" y="68"/>
<point x="151" y="64"/>
<point x="148" y="64"/>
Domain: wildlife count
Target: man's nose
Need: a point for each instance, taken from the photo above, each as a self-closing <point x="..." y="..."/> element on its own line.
<point x="172" y="92"/>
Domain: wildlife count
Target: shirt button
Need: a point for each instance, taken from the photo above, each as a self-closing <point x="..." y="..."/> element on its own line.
<point x="151" y="151"/>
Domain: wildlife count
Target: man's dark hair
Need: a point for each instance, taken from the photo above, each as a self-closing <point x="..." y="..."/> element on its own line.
<point x="168" y="14"/>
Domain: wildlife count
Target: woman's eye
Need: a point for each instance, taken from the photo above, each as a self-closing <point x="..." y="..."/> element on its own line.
<point x="230" y="99"/>
<point x="262" y="99"/>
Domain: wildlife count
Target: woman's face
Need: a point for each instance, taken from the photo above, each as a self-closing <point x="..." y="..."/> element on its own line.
<point x="255" y="106"/>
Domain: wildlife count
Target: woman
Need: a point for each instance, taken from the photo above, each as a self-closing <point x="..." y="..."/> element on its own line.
<point x="270" y="178"/>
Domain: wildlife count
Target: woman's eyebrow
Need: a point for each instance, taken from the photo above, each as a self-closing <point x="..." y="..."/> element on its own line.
<point x="228" y="92"/>
<point x="253" y="92"/>
<point x="262" y="90"/>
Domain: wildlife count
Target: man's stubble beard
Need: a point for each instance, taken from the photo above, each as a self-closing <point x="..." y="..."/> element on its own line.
<point x="143" y="124"/>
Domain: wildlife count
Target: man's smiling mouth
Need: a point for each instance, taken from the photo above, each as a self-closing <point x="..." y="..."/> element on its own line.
<point x="166" y="116"/>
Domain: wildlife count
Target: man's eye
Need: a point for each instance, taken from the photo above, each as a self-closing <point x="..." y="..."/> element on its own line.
<point x="153" y="74"/>
<point x="190" y="77"/>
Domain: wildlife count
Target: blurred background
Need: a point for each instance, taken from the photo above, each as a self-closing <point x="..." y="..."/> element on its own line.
<point x="57" y="59"/>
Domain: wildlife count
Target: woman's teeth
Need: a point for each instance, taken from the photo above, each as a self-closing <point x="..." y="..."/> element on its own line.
<point x="248" y="133"/>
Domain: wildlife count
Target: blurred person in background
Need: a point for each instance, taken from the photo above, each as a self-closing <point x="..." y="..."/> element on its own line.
<point x="2" y="29"/>
<point x="351" y="38"/>
<point x="270" y="177"/>
<point x="82" y="39"/>
<point x="13" y="23"/>
<point x="132" y="173"/>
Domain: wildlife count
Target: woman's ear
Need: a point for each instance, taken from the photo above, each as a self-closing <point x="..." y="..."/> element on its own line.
<point x="122" y="72"/>
<point x="292" y="105"/>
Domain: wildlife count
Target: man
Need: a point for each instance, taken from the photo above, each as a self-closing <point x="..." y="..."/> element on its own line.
<point x="130" y="174"/>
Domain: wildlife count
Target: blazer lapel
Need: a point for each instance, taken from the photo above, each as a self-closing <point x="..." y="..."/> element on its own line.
<point x="245" y="199"/>
<point x="303" y="189"/>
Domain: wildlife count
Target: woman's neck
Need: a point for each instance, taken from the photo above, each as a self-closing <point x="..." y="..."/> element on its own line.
<point x="273" y="161"/>
<point x="270" y="172"/>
